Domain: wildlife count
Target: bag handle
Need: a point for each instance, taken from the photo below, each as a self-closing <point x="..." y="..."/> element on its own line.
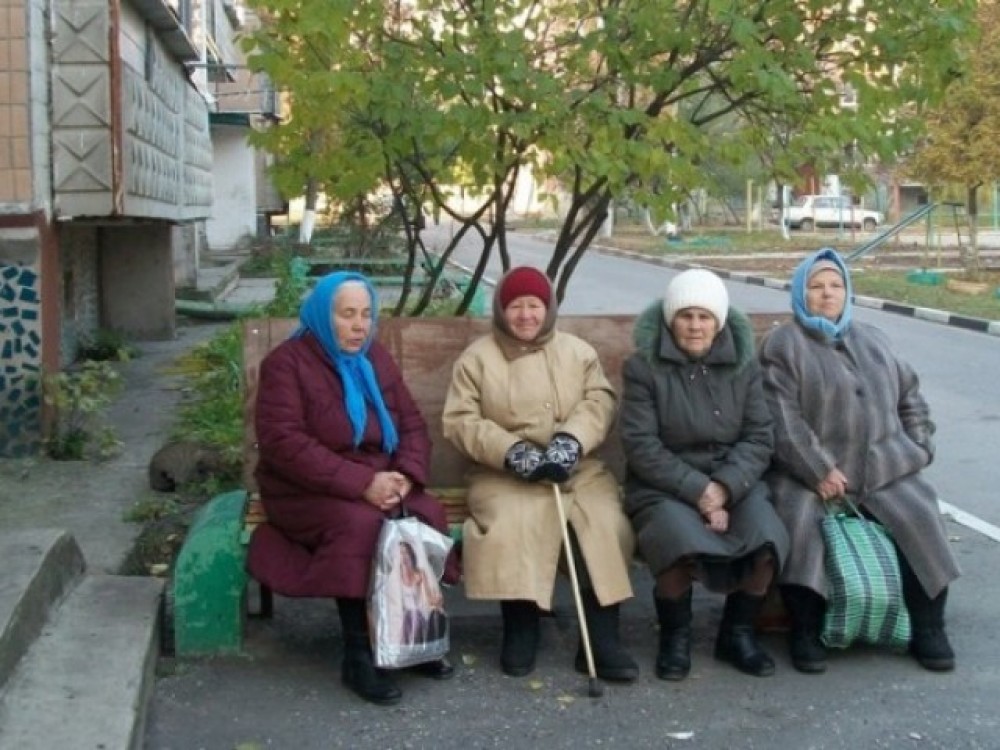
<point x="835" y="506"/>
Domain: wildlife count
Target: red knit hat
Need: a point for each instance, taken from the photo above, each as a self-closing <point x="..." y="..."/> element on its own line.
<point x="522" y="281"/>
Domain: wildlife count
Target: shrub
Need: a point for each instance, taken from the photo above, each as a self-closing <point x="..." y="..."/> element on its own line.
<point x="79" y="397"/>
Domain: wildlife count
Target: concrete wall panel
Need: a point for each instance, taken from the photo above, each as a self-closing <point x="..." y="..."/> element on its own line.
<point x="137" y="280"/>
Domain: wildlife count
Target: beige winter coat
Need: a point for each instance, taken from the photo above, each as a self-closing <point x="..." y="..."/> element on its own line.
<point x="512" y="540"/>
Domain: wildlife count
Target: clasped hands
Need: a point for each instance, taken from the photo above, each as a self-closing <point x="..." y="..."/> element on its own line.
<point x="712" y="506"/>
<point x="387" y="490"/>
<point x="554" y="464"/>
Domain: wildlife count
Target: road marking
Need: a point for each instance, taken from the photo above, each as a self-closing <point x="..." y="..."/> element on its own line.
<point x="970" y="521"/>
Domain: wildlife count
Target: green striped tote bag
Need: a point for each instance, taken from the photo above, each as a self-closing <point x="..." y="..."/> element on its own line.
<point x="865" y="597"/>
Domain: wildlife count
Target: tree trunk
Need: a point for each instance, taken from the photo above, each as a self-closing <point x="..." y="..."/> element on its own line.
<point x="971" y="259"/>
<point x="309" y="214"/>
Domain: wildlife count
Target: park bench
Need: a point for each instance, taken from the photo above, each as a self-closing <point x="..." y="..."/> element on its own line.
<point x="209" y="587"/>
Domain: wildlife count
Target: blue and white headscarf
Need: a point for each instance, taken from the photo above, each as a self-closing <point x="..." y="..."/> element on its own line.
<point x="800" y="281"/>
<point x="355" y="370"/>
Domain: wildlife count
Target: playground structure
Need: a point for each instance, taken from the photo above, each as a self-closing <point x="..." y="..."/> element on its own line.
<point x="924" y="212"/>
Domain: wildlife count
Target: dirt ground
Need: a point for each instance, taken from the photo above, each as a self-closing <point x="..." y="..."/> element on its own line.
<point x="94" y="500"/>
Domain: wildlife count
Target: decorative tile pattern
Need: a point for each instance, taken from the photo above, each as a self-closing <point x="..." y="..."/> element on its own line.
<point x="20" y="361"/>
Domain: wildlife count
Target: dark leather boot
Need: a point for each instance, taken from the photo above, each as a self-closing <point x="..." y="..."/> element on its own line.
<point x="359" y="672"/>
<point x="737" y="641"/>
<point x="611" y="661"/>
<point x="673" y="660"/>
<point x="520" y="637"/>
<point x="928" y="643"/>
<point x="806" y="609"/>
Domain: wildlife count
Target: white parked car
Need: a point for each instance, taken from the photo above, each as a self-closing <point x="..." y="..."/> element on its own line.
<point x="810" y="211"/>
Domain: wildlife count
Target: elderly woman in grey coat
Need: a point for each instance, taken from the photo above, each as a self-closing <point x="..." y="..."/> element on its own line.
<point x="697" y="436"/>
<point x="850" y="421"/>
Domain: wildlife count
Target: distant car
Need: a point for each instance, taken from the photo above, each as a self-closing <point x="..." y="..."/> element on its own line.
<point x="810" y="211"/>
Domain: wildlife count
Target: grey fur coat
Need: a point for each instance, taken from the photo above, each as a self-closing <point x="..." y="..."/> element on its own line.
<point x="853" y="405"/>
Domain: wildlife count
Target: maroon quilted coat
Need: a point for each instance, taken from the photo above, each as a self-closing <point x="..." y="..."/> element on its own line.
<point x="321" y="534"/>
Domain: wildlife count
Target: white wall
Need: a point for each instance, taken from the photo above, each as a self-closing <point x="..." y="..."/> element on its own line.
<point x="234" y="209"/>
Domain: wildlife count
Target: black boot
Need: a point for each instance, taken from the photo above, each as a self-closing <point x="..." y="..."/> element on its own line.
<point x="520" y="637"/>
<point x="928" y="644"/>
<point x="737" y="641"/>
<point x="806" y="609"/>
<point x="359" y="672"/>
<point x="611" y="661"/>
<point x="673" y="660"/>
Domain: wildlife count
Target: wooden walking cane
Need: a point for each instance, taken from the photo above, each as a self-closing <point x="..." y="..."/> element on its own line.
<point x="594" y="689"/>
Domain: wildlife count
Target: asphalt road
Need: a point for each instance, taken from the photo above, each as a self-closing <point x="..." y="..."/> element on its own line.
<point x="285" y="692"/>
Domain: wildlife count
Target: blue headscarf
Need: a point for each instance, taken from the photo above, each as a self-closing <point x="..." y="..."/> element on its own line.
<point x="800" y="280"/>
<point x="355" y="370"/>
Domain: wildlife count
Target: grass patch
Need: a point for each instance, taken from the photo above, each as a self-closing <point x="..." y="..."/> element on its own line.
<point x="895" y="287"/>
<point x="720" y="241"/>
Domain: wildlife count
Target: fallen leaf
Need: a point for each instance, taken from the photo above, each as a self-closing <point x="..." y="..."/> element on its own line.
<point x="158" y="569"/>
<point x="536" y="684"/>
<point x="468" y="659"/>
<point x="567" y="699"/>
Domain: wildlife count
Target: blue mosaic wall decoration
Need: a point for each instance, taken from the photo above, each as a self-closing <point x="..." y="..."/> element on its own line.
<point x="20" y="361"/>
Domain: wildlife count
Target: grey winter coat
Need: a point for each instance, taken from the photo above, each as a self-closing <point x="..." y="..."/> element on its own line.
<point x="687" y="422"/>
<point x="853" y="405"/>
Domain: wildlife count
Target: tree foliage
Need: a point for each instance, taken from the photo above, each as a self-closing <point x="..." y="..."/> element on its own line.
<point x="962" y="146"/>
<point x="608" y="97"/>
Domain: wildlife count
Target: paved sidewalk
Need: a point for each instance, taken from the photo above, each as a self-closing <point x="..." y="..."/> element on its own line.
<point x="286" y="693"/>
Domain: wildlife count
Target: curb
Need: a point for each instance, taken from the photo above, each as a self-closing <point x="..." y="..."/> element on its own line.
<point x="966" y="322"/>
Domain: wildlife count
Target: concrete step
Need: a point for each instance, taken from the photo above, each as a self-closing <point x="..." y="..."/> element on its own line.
<point x="213" y="282"/>
<point x="86" y="681"/>
<point x="40" y="566"/>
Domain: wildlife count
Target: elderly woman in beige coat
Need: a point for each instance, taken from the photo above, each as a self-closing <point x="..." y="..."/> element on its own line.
<point x="529" y="405"/>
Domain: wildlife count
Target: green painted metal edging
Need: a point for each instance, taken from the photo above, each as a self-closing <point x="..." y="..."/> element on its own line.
<point x="926" y="278"/>
<point x="210" y="580"/>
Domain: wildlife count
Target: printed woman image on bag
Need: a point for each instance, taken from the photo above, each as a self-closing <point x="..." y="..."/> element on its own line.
<point x="405" y="605"/>
<point x="422" y="604"/>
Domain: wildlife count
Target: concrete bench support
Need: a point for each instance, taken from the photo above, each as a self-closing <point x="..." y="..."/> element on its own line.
<point x="210" y="580"/>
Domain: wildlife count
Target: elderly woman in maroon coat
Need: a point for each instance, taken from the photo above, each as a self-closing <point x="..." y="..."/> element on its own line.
<point x="342" y="446"/>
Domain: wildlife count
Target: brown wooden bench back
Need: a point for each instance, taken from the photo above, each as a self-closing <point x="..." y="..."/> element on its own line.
<point x="426" y="349"/>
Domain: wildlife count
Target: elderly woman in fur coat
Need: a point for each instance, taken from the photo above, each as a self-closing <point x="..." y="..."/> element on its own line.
<point x="850" y="420"/>
<point x="529" y="404"/>
<point x="697" y="436"/>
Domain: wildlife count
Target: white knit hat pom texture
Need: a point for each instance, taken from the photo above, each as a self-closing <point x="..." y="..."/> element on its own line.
<point x="696" y="287"/>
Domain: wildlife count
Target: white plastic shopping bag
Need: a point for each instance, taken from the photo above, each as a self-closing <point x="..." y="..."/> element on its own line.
<point x="406" y="615"/>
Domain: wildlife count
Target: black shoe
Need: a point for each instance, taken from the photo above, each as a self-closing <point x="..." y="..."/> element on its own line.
<point x="520" y="637"/>
<point x="930" y="647"/>
<point x="359" y="672"/>
<point x="928" y="644"/>
<point x="806" y="610"/>
<point x="368" y="681"/>
<point x="611" y="661"/>
<point x="440" y="669"/>
<point x="673" y="660"/>
<point x="807" y="651"/>
<point x="737" y="641"/>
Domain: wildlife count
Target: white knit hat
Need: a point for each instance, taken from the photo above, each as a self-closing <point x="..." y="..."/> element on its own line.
<point x="696" y="288"/>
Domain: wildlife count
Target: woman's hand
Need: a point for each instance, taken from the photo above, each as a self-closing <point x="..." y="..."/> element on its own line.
<point x="714" y="497"/>
<point x="718" y="521"/>
<point x="833" y="486"/>
<point x="385" y="490"/>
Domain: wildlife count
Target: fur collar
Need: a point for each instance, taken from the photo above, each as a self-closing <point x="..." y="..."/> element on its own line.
<point x="731" y="352"/>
